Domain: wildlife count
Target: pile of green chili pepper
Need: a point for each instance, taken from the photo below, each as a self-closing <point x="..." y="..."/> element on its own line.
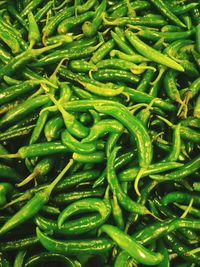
<point x="99" y="133"/>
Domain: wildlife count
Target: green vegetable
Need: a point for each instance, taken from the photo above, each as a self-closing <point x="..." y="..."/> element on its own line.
<point x="109" y="92"/>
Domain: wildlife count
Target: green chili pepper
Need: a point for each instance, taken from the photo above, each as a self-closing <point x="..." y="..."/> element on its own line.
<point x="22" y="59"/>
<point x="38" y="127"/>
<point x="93" y="103"/>
<point x="117" y="213"/>
<point x="136" y="21"/>
<point x="160" y="229"/>
<point x="180" y="248"/>
<point x="77" y="178"/>
<point x="167" y="36"/>
<point x="121" y="42"/>
<point x="171" y="28"/>
<point x="72" y="247"/>
<point x="164" y="251"/>
<point x="14" y="91"/>
<point x="43" y="10"/>
<point x="117" y="75"/>
<point x="130" y="122"/>
<point x="70" y="53"/>
<point x="183" y="8"/>
<point x="19" y="259"/>
<point x="197" y="108"/>
<point x="180" y="197"/>
<point x="90" y="28"/>
<point x="131" y="173"/>
<point x="9" y="172"/>
<point x="74" y="227"/>
<point x="34" y="205"/>
<point x="123" y="259"/>
<point x="170" y="86"/>
<point x="5" y="190"/>
<point x="93" y="157"/>
<point x="67" y="24"/>
<point x="42" y="168"/>
<point x="188" y="169"/>
<point x="49" y="257"/>
<point x="75" y="146"/>
<point x="23" y="110"/>
<point x="151" y="53"/>
<point x="34" y="33"/>
<point x="54" y="21"/>
<point x="137" y="251"/>
<point x="103" y="127"/>
<point x="4" y="262"/>
<point x="102" y="51"/>
<point x="123" y="199"/>
<point x="14" y="12"/>
<point x="17" y="132"/>
<point x="19" y="243"/>
<point x="121" y="9"/>
<point x="191" y="122"/>
<point x="85" y="7"/>
<point x="105" y="91"/>
<point x="89" y="204"/>
<point x="82" y="66"/>
<point x="176" y="148"/>
<point x="39" y="149"/>
<point x="31" y="6"/>
<point x="132" y="58"/>
<point x="53" y="128"/>
<point x="7" y="37"/>
<point x="73" y="126"/>
<point x="165" y="10"/>
<point x="66" y="198"/>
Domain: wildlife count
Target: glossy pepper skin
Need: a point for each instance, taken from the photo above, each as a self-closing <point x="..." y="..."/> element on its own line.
<point x="107" y="91"/>
<point x="72" y="247"/>
<point x="135" y="128"/>
<point x="33" y="206"/>
<point x="137" y="251"/>
<point x="151" y="53"/>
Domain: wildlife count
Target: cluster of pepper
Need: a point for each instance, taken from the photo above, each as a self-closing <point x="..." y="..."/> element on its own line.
<point x="100" y="111"/>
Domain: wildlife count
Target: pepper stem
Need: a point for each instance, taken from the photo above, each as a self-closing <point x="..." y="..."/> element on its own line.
<point x="137" y="179"/>
<point x="138" y="69"/>
<point x="61" y="5"/>
<point x="106" y="196"/>
<point x="50" y="109"/>
<point x="166" y="121"/>
<point x="59" y="177"/>
<point x="134" y="108"/>
<point x="10" y="156"/>
<point x="100" y="180"/>
<point x="53" y="77"/>
<point x="185" y="213"/>
<point x="67" y="117"/>
<point x="25" y="196"/>
<point x="44" y="39"/>
<point x="193" y="251"/>
<point x="27" y="179"/>
<point x="160" y="74"/>
<point x="183" y="110"/>
<point x="155" y="217"/>
<point x="114" y="22"/>
<point x="39" y="51"/>
<point x="127" y="96"/>
<point x="34" y="81"/>
<point x="131" y="11"/>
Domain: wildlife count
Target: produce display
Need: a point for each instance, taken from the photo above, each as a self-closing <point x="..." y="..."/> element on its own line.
<point x="99" y="133"/>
